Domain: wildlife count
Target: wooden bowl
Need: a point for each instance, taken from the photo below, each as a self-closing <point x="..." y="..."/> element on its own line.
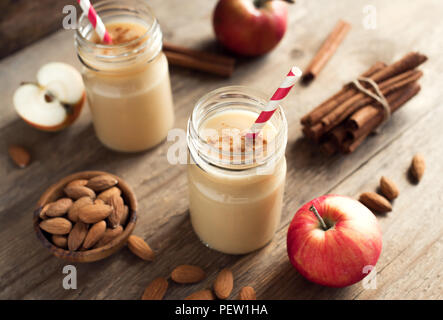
<point x="56" y="191"/>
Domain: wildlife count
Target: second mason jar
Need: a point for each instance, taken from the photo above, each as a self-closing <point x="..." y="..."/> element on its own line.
<point x="235" y="191"/>
<point x="127" y="83"/>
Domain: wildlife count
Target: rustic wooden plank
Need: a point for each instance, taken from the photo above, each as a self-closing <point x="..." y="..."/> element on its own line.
<point x="23" y="22"/>
<point x="28" y="271"/>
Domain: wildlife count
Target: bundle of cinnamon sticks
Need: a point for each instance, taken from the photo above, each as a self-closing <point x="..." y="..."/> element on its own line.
<point x="342" y="122"/>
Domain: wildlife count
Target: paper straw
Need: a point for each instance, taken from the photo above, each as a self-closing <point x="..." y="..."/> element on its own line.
<point x="291" y="78"/>
<point x="95" y="20"/>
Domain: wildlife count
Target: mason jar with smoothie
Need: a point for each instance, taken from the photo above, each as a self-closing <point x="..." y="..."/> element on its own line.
<point x="235" y="186"/>
<point x="127" y="82"/>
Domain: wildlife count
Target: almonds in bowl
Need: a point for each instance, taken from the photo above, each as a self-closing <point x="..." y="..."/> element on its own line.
<point x="86" y="216"/>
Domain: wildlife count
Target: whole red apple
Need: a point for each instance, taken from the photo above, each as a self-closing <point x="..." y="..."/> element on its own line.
<point x="250" y="27"/>
<point x="333" y="239"/>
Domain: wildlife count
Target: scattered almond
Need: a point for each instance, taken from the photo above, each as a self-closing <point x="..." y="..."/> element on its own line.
<point x="73" y="211"/>
<point x="59" y="207"/>
<point x="140" y="248"/>
<point x="223" y="284"/>
<point x="110" y="234"/>
<point x="77" y="236"/>
<point x="418" y="166"/>
<point x="57" y="225"/>
<point x="388" y="188"/>
<point x="375" y="202"/>
<point x="77" y="183"/>
<point x="102" y="182"/>
<point x="77" y="192"/>
<point x="107" y="194"/>
<point x="156" y="289"/>
<point x="201" y="295"/>
<point x="93" y="213"/>
<point x="60" y="241"/>
<point x="118" y="207"/>
<point x="95" y="233"/>
<point x="185" y="274"/>
<point x="19" y="155"/>
<point x="247" y="293"/>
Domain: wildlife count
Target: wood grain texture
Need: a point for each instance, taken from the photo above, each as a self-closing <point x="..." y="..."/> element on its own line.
<point x="409" y="266"/>
<point x="22" y="22"/>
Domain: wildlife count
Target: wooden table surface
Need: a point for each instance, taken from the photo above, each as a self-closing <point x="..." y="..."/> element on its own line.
<point x="410" y="265"/>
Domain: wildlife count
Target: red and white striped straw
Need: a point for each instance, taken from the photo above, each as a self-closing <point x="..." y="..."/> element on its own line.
<point x="291" y="78"/>
<point x="95" y="20"/>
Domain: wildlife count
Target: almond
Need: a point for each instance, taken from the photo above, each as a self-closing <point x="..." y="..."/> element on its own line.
<point x="124" y="216"/>
<point x="99" y="201"/>
<point x="95" y="233"/>
<point x="201" y="295"/>
<point x="57" y="225"/>
<point x="118" y="209"/>
<point x="223" y="284"/>
<point x="19" y="155"/>
<point x="77" y="183"/>
<point x="102" y="182"/>
<point x="375" y="202"/>
<point x="59" y="207"/>
<point x="42" y="213"/>
<point x="188" y="274"/>
<point x="110" y="234"/>
<point x="77" y="235"/>
<point x="418" y="166"/>
<point x="107" y="194"/>
<point x="60" y="241"/>
<point x="140" y="248"/>
<point x="388" y="188"/>
<point x="73" y="211"/>
<point x="77" y="192"/>
<point x="247" y="293"/>
<point x="92" y="213"/>
<point x="156" y="289"/>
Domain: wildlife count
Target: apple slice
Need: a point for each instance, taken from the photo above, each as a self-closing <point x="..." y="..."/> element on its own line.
<point x="54" y="101"/>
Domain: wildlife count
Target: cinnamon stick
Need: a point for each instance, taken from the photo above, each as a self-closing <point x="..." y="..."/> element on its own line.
<point x="408" y="62"/>
<point x="328" y="147"/>
<point x="188" y="61"/>
<point x="345" y="93"/>
<point x="201" y="55"/>
<point x="326" y="51"/>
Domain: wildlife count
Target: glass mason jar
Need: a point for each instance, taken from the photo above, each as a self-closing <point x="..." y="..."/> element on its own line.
<point x="235" y="197"/>
<point x="127" y="84"/>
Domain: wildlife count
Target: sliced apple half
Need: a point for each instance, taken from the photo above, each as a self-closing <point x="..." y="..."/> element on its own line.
<point x="54" y="101"/>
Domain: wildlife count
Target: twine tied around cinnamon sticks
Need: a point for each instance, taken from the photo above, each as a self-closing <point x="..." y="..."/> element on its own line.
<point x="343" y="121"/>
<point x="378" y="97"/>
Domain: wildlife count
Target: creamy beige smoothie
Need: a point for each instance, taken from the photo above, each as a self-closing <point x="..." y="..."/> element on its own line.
<point x="128" y="86"/>
<point x="235" y="212"/>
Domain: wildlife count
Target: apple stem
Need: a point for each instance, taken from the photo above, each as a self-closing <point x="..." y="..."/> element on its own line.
<point x="320" y="219"/>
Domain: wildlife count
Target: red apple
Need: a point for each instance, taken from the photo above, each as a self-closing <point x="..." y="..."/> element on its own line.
<point x="250" y="27"/>
<point x="54" y="101"/>
<point x="332" y="239"/>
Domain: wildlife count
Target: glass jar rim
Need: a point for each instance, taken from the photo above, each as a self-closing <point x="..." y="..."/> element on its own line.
<point x="125" y="49"/>
<point x="196" y="141"/>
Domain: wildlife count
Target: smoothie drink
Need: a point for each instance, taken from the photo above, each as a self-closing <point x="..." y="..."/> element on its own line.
<point x="235" y="189"/>
<point x="127" y="83"/>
